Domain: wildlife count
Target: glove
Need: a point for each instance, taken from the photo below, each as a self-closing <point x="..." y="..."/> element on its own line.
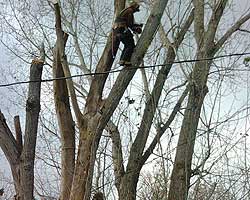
<point x="138" y="30"/>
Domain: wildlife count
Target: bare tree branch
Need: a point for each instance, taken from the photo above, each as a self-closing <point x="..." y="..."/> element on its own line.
<point x="150" y="107"/>
<point x="230" y="31"/>
<point x="66" y="124"/>
<point x="161" y="130"/>
<point x="125" y="76"/>
<point x="214" y="21"/>
<point x="104" y="64"/>
<point x="8" y="143"/>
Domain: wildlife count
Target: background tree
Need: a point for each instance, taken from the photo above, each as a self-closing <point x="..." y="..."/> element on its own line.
<point x="21" y="155"/>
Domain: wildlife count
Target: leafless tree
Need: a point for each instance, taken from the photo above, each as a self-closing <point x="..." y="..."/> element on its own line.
<point x="20" y="151"/>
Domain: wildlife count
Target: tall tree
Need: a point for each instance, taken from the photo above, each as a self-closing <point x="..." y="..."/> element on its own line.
<point x="97" y="111"/>
<point x="65" y="122"/>
<point x="207" y="47"/>
<point x="21" y="156"/>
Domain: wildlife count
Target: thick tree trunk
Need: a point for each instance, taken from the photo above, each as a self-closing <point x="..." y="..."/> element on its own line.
<point x="88" y="143"/>
<point x="31" y="125"/>
<point x="66" y="125"/>
<point x="182" y="165"/>
<point x="21" y="160"/>
<point x="127" y="189"/>
<point x="129" y="184"/>
<point x="181" y="174"/>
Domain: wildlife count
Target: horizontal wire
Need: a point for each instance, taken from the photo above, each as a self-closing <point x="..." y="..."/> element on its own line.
<point x="126" y="68"/>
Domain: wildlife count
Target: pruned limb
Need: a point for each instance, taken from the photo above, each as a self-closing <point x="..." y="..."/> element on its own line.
<point x="61" y="47"/>
<point x="65" y="122"/>
<point x="31" y="127"/>
<point x="83" y="65"/>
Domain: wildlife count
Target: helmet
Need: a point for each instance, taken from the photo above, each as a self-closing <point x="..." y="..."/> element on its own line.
<point x="134" y="5"/>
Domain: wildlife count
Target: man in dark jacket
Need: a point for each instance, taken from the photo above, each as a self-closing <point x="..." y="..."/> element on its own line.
<point x="123" y="25"/>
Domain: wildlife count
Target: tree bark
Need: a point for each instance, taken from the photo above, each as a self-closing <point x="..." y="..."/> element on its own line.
<point x="21" y="160"/>
<point x="182" y="165"/>
<point x="32" y="113"/>
<point x="137" y="159"/>
<point x="65" y="123"/>
<point x="104" y="65"/>
<point x="181" y="174"/>
<point x="117" y="155"/>
<point x="96" y="117"/>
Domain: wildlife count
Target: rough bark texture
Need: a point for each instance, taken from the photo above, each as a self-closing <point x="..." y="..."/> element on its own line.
<point x="116" y="154"/>
<point x="66" y="125"/>
<point x="31" y="125"/>
<point x="96" y="117"/>
<point x="181" y="174"/>
<point x="137" y="159"/>
<point x="89" y="134"/>
<point x="207" y="48"/>
<point x="21" y="160"/>
<point x="182" y="165"/>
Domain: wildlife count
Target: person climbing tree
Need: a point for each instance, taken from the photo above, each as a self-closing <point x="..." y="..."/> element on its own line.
<point x="122" y="27"/>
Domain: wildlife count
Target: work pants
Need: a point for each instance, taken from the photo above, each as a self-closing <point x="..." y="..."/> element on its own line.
<point x="126" y="37"/>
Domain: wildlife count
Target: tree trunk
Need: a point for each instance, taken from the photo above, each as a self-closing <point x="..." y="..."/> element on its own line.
<point x="181" y="174"/>
<point x="88" y="144"/>
<point x="129" y="184"/>
<point x="21" y="160"/>
<point x="66" y="125"/>
<point x="127" y="189"/>
<point x="31" y="125"/>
